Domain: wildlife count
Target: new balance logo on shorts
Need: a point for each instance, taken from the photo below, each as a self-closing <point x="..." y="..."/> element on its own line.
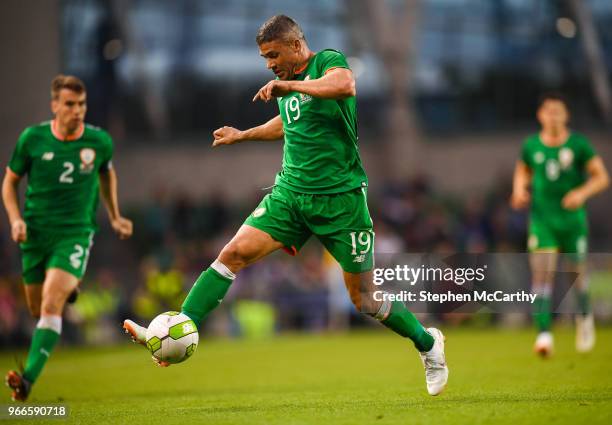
<point x="359" y="259"/>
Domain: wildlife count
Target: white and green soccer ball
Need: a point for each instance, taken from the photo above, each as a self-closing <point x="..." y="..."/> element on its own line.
<point x="172" y="337"/>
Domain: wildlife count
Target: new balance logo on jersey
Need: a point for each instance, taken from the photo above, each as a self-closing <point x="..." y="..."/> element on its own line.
<point x="259" y="212"/>
<point x="538" y="157"/>
<point x="48" y="156"/>
<point x="359" y="259"/>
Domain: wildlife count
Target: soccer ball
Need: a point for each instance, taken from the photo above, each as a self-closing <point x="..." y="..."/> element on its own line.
<point x="172" y="337"/>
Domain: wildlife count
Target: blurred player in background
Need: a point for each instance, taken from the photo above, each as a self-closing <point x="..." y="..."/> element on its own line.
<point x="67" y="163"/>
<point x="320" y="190"/>
<point x="563" y="172"/>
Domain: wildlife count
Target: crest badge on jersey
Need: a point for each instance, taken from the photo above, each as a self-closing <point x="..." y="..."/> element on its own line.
<point x="304" y="97"/>
<point x="566" y="157"/>
<point x="88" y="156"/>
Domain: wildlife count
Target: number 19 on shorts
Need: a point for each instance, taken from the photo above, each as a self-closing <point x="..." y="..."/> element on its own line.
<point x="361" y="242"/>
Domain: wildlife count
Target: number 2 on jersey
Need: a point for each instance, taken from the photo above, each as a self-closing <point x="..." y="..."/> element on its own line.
<point x="553" y="169"/>
<point x="66" y="176"/>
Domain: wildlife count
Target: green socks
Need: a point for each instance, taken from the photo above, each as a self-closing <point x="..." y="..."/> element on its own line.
<point x="542" y="308"/>
<point x="542" y="316"/>
<point x="584" y="302"/>
<point x="45" y="338"/>
<point x="401" y="321"/>
<point x="207" y="292"/>
<point x="213" y="283"/>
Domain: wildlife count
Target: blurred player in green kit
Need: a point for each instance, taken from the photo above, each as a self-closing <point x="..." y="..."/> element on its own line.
<point x="67" y="163"/>
<point x="321" y="189"/>
<point x="563" y="172"/>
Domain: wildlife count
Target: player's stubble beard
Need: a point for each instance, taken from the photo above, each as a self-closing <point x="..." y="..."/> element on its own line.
<point x="290" y="73"/>
<point x="302" y="60"/>
<point x="73" y="126"/>
<point x="556" y="133"/>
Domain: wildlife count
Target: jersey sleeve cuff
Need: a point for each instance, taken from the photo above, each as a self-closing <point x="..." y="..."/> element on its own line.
<point x="336" y="67"/>
<point x="8" y="167"/>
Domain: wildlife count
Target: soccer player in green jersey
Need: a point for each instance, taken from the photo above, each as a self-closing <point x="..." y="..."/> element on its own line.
<point x="563" y="172"/>
<point x="67" y="163"/>
<point x="321" y="189"/>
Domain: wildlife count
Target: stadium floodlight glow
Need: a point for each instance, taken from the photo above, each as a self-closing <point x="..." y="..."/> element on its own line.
<point x="566" y="27"/>
<point x="356" y="65"/>
<point x="113" y="49"/>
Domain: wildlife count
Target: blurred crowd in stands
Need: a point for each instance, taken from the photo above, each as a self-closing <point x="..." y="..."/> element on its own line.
<point x="177" y="237"/>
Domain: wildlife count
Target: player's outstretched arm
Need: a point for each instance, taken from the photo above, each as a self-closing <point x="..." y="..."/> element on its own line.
<point x="337" y="83"/>
<point x="520" y="186"/>
<point x="108" y="189"/>
<point x="597" y="182"/>
<point x="10" y="183"/>
<point x="271" y="130"/>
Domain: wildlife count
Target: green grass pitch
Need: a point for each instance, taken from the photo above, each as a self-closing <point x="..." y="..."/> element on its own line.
<point x="368" y="378"/>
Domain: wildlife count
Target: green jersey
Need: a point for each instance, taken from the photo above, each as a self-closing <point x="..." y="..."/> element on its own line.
<point x="320" y="152"/>
<point x="62" y="192"/>
<point x="556" y="171"/>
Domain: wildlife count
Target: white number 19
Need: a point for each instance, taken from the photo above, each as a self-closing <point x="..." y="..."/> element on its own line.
<point x="364" y="239"/>
<point x="292" y="105"/>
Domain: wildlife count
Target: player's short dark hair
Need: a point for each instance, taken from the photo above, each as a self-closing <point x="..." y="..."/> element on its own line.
<point x="279" y="27"/>
<point x="69" y="82"/>
<point x="552" y="95"/>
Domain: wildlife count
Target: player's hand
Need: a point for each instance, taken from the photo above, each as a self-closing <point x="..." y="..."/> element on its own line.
<point x="520" y="199"/>
<point x="274" y="88"/>
<point x="573" y="200"/>
<point x="123" y="227"/>
<point x="19" y="231"/>
<point x="226" y="136"/>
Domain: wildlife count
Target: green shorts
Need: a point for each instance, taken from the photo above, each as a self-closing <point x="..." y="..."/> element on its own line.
<point x="341" y="221"/>
<point x="571" y="238"/>
<point x="45" y="250"/>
